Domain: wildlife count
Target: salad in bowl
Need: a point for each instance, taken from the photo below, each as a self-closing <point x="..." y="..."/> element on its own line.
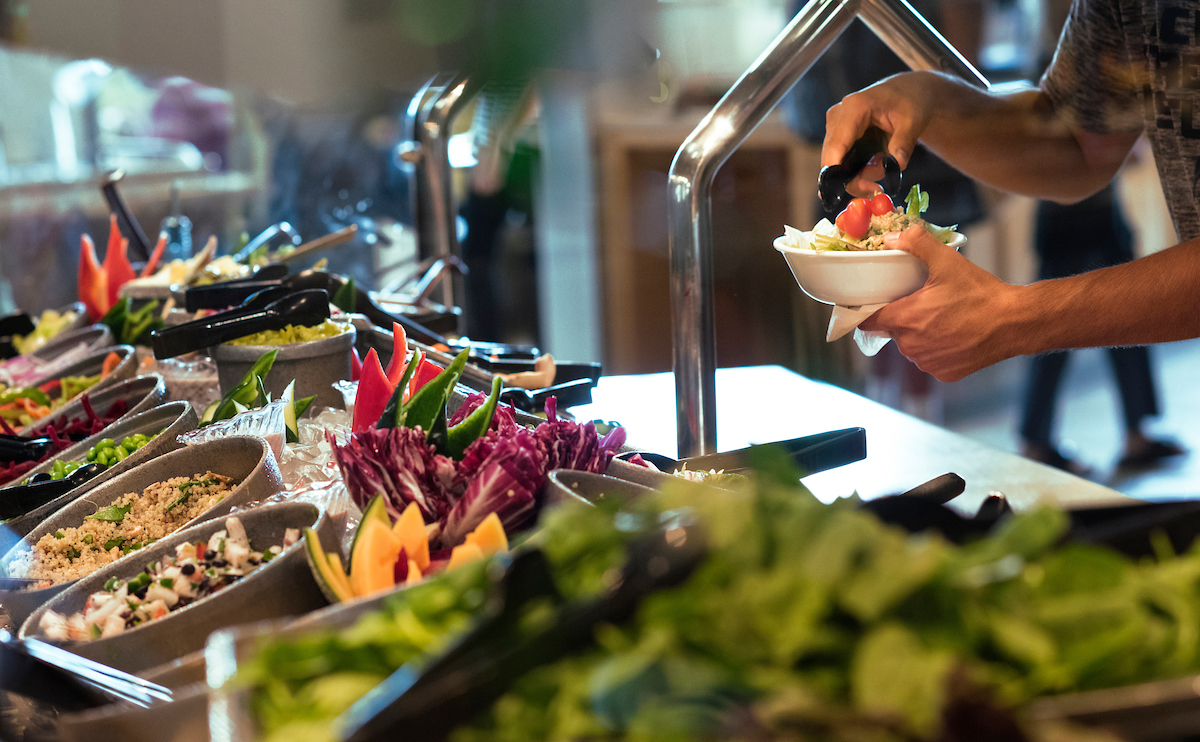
<point x="845" y="262"/>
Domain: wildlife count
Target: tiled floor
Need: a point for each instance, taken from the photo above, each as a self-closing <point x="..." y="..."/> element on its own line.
<point x="986" y="407"/>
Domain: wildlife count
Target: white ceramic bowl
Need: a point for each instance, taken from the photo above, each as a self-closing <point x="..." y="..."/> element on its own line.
<point x="857" y="278"/>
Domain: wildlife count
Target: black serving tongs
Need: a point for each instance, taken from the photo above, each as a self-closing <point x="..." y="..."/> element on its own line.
<point x="16" y="448"/>
<point x="810" y="453"/>
<point x="16" y="500"/>
<point x="138" y="242"/>
<point x="427" y="703"/>
<point x="50" y="674"/>
<point x="274" y="309"/>
<point x="833" y="179"/>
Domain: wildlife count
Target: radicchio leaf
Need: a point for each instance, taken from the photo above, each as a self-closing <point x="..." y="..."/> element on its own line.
<point x="506" y="482"/>
<point x="400" y="465"/>
<point x="504" y="420"/>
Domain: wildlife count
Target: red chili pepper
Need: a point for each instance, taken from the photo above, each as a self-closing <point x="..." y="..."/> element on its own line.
<point x="355" y="364"/>
<point x="374" y="390"/>
<point x="425" y="373"/>
<point x="50" y="386"/>
<point x="152" y="263"/>
<point x="93" y="282"/>
<point x="397" y="365"/>
<point x="117" y="267"/>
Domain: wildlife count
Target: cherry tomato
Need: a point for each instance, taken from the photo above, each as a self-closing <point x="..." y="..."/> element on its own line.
<point x="881" y="204"/>
<point x="856" y="219"/>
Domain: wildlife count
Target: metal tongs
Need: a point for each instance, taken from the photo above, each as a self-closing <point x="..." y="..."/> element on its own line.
<point x="272" y="309"/>
<point x="833" y="179"/>
<point x="50" y="674"/>
<point x="18" y="500"/>
<point x="428" y="702"/>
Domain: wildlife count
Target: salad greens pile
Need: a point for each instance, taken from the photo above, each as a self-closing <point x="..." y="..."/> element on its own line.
<point x="805" y="621"/>
<point x="827" y="236"/>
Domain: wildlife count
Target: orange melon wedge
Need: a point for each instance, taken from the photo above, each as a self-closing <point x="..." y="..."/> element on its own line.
<point x="410" y="529"/>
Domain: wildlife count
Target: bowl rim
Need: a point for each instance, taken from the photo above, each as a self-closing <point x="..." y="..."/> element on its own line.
<point x="959" y="240"/>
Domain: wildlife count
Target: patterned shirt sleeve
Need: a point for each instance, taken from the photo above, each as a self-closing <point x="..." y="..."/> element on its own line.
<point x="1091" y="80"/>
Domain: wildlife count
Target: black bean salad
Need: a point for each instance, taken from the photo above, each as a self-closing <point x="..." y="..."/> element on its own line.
<point x="196" y="571"/>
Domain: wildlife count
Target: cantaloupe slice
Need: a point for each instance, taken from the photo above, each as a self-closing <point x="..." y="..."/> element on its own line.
<point x="464" y="554"/>
<point x="489" y="536"/>
<point x="410" y="529"/>
<point x="374" y="558"/>
<point x="414" y="573"/>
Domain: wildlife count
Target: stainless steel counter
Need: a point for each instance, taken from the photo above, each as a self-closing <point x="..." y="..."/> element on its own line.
<point x="758" y="404"/>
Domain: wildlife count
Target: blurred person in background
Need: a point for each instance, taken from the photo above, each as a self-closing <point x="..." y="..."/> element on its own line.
<point x="1070" y="239"/>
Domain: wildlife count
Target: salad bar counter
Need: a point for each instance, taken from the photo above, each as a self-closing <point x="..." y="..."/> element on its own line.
<point x="285" y="513"/>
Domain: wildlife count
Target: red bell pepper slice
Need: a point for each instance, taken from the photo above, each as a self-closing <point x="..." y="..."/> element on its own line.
<point x="93" y="282"/>
<point x="425" y="373"/>
<point x="152" y="263"/>
<point x="397" y="365"/>
<point x="117" y="267"/>
<point x="374" y="390"/>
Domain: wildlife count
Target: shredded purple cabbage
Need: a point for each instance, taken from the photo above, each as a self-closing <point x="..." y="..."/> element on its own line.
<point x="504" y="471"/>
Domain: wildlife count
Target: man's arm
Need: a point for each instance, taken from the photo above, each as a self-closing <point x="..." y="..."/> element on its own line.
<point x="1012" y="141"/>
<point x="965" y="319"/>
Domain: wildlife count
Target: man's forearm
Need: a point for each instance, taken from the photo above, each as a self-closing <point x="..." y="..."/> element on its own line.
<point x="1155" y="299"/>
<point x="1016" y="143"/>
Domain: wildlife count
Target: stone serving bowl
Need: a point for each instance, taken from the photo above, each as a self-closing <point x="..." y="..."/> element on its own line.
<point x="314" y="364"/>
<point x="91" y="366"/>
<point x="139" y="393"/>
<point x="247" y="460"/>
<point x="856" y="278"/>
<point x="566" y="485"/>
<point x="165" y="423"/>
<point x="94" y="336"/>
<point x="283" y="587"/>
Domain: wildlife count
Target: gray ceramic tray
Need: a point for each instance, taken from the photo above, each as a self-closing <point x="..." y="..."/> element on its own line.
<point x="140" y="394"/>
<point x="167" y="421"/>
<point x="94" y="336"/>
<point x="93" y="363"/>
<point x="283" y="587"/>
<point x="248" y="460"/>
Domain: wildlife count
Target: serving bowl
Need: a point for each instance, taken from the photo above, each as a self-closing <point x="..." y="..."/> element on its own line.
<point x="93" y="364"/>
<point x="856" y="278"/>
<point x="165" y="423"/>
<point x="314" y="364"/>
<point x="93" y="336"/>
<point x="282" y="587"/>
<point x="247" y="460"/>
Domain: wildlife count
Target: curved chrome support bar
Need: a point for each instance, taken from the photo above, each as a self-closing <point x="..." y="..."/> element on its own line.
<point x="722" y="131"/>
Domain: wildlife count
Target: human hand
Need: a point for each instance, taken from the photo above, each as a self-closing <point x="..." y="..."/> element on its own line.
<point x="901" y="105"/>
<point x="954" y="325"/>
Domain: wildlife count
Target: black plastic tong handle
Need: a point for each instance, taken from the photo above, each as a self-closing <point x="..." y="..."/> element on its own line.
<point x="309" y="307"/>
<point x="833" y="179"/>
<point x="20" y="499"/>
<point x="15" y="448"/>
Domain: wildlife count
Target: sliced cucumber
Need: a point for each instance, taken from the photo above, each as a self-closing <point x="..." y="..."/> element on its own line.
<point x="289" y="412"/>
<point x="331" y="584"/>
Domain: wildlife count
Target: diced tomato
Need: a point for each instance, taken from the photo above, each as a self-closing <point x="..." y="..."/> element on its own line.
<point x="856" y="219"/>
<point x="881" y="204"/>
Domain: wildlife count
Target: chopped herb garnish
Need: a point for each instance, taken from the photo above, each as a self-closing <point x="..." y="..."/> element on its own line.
<point x="88" y="539"/>
<point x="167" y="582"/>
<point x="72" y="553"/>
<point x="58" y="534"/>
<point x="113" y="543"/>
<point x="110" y="584"/>
<point x="95" y="631"/>
<point x="112" y="513"/>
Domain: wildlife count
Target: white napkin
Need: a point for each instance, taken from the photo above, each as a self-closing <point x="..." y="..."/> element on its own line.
<point x="845" y="319"/>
